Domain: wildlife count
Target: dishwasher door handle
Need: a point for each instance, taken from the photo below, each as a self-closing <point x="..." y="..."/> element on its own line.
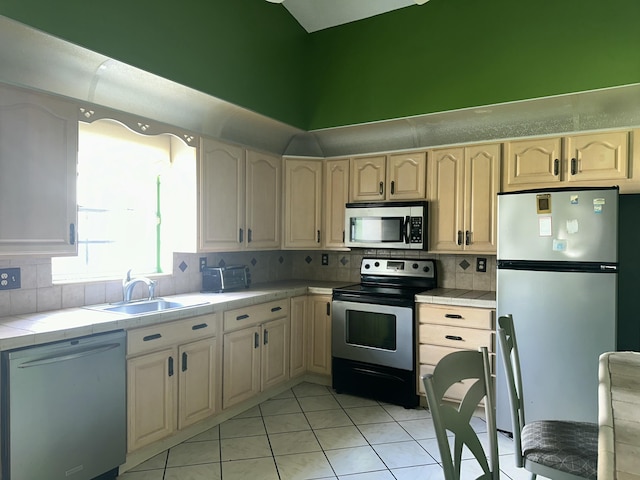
<point x="69" y="356"/>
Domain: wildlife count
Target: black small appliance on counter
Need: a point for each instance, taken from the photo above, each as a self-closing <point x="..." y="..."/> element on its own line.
<point x="224" y="279"/>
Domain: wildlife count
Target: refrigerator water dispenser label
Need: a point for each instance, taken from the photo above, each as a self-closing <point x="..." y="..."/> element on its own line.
<point x="559" y="245"/>
<point x="572" y="226"/>
<point x="544" y="226"/>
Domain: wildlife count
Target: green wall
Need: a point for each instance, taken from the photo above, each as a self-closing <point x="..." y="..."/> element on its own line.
<point x="248" y="52"/>
<point x="450" y="54"/>
<point x="443" y="55"/>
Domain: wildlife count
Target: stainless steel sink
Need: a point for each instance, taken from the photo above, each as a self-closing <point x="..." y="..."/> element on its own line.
<point x="143" y="306"/>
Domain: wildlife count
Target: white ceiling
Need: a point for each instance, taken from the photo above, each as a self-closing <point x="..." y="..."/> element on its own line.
<point x="316" y="15"/>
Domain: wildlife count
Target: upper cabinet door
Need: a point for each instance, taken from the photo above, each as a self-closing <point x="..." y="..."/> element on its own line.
<point x="303" y="202"/>
<point x="368" y="176"/>
<point x="264" y="188"/>
<point x="482" y="183"/>
<point x="38" y="167"/>
<point x="447" y="202"/>
<point x="336" y="195"/>
<point x="598" y="156"/>
<point x="406" y="176"/>
<point x="533" y="162"/>
<point x="221" y="196"/>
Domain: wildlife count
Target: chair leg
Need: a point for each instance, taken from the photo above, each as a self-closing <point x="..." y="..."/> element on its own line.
<point x="533" y="476"/>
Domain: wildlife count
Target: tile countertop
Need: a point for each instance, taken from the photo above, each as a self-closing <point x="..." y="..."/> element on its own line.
<point x="459" y="297"/>
<point x="42" y="327"/>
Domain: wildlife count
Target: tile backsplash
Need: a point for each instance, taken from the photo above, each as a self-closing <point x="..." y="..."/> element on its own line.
<point x="38" y="293"/>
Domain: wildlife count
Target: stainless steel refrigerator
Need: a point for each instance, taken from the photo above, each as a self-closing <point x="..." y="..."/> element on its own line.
<point x="558" y="276"/>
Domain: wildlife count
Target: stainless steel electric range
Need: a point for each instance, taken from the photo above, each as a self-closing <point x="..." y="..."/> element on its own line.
<point x="374" y="327"/>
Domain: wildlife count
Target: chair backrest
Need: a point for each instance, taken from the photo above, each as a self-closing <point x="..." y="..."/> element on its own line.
<point x="472" y="366"/>
<point x="511" y="364"/>
<point x="618" y="405"/>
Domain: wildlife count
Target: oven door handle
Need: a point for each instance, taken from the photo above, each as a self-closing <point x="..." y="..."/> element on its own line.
<point x="407" y="225"/>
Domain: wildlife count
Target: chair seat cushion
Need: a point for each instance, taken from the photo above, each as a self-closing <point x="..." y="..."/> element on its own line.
<point x="570" y="447"/>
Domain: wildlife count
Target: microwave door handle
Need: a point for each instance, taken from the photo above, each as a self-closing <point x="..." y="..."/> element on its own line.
<point x="407" y="225"/>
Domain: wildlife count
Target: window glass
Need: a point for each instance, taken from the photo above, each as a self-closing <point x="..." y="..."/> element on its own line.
<point x="119" y="185"/>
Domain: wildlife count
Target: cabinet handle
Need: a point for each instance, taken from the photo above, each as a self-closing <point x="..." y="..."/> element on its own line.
<point x="393" y="187"/>
<point x="72" y="234"/>
<point x="318" y="236"/>
<point x="453" y="315"/>
<point x="242" y="317"/>
<point x="276" y="309"/>
<point x="381" y="188"/>
<point x="459" y="237"/>
<point x="266" y="336"/>
<point x="148" y="338"/>
<point x="328" y="308"/>
<point x="342" y="236"/>
<point x="574" y="166"/>
<point x="453" y="337"/>
<point x="241" y="236"/>
<point x="199" y="326"/>
<point x="184" y="361"/>
<point x="556" y="167"/>
<point x="256" y="340"/>
<point x="249" y="233"/>
<point x="171" y="366"/>
<point x="467" y="238"/>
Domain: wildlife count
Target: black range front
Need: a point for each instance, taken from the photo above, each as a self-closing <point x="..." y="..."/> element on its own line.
<point x="374" y="330"/>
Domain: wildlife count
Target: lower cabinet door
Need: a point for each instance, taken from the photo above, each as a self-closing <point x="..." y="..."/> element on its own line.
<point x="275" y="352"/>
<point x="151" y="397"/>
<point x="320" y="334"/>
<point x="241" y="362"/>
<point x="197" y="381"/>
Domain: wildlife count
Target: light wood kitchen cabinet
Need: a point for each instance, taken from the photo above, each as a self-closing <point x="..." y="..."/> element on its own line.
<point x="173" y="378"/>
<point x="239" y="198"/>
<point x="444" y="329"/>
<point x="298" y="350"/>
<point x="592" y="159"/>
<point x="303" y="203"/>
<point x="256" y="350"/>
<point x="319" y="346"/>
<point x="38" y="161"/>
<point x="336" y="195"/>
<point x="464" y="187"/>
<point x="389" y="177"/>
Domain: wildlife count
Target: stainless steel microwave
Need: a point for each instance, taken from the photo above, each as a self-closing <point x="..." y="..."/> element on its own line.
<point x="386" y="225"/>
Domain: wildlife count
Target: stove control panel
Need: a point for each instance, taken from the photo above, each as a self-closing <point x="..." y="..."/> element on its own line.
<point x="398" y="267"/>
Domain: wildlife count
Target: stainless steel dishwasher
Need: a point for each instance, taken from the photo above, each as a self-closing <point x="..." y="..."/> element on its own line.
<point x="63" y="409"/>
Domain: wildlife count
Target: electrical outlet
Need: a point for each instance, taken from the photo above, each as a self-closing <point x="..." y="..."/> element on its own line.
<point x="203" y="263"/>
<point x="481" y="264"/>
<point x="9" y="278"/>
<point x="325" y="259"/>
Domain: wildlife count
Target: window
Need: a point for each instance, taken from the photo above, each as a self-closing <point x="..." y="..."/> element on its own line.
<point x="120" y="175"/>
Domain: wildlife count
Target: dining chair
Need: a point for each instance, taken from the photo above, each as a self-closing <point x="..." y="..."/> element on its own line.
<point x="472" y="367"/>
<point x="618" y="422"/>
<point x="556" y="449"/>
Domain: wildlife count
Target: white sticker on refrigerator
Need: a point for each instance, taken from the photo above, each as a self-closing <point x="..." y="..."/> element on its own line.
<point x="574" y="200"/>
<point x="572" y="226"/>
<point x="544" y="226"/>
<point x="598" y="205"/>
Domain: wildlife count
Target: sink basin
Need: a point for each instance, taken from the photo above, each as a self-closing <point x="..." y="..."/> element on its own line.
<point x="144" y="306"/>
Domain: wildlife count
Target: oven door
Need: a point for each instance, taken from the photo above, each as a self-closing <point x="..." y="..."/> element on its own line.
<point x="373" y="333"/>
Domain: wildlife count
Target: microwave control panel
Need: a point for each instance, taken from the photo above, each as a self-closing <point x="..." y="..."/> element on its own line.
<point x="415" y="230"/>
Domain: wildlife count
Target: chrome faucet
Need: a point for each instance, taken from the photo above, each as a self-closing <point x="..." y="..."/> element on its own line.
<point x="128" y="283"/>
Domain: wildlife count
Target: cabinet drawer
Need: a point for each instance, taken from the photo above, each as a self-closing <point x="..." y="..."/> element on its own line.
<point x="255" y="314"/>
<point x="456" y="337"/>
<point x="455" y="391"/>
<point x="155" y="337"/>
<point x="432" y="354"/>
<point x="459" y="316"/>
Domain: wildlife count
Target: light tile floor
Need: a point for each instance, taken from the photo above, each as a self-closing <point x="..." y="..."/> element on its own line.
<point x="309" y="432"/>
